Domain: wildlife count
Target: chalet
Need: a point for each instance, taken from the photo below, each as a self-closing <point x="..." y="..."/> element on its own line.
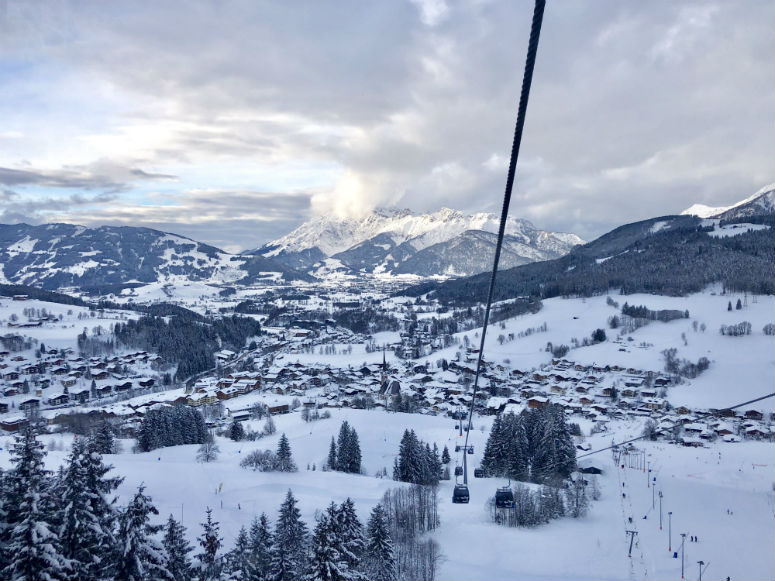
<point x="11" y="375"/>
<point x="81" y="395"/>
<point x="13" y="423"/>
<point x="103" y="390"/>
<point x="757" y="432"/>
<point x="31" y="403"/>
<point x="537" y="401"/>
<point x="10" y="391"/>
<point x="3" y="407"/>
<point x="125" y="386"/>
<point x="58" y="399"/>
<point x="753" y="415"/>
<point x="682" y="410"/>
<point x="148" y="382"/>
<point x="99" y="374"/>
<point x="68" y="381"/>
<point x="278" y="409"/>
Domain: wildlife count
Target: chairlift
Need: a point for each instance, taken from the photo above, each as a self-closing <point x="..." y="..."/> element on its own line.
<point x="478" y="473"/>
<point x="460" y="494"/>
<point x="504" y="497"/>
<point x="458" y="471"/>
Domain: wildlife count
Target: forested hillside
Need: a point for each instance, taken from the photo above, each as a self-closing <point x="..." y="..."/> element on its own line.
<point x="671" y="256"/>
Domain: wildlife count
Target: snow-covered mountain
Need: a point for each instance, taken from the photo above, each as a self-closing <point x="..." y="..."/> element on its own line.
<point x="53" y="256"/>
<point x="759" y="203"/>
<point x="401" y="242"/>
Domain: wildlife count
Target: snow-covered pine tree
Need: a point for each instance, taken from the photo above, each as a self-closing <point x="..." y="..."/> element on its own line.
<point x="380" y="558"/>
<point x="352" y="541"/>
<point x="141" y="556"/>
<point x="285" y="461"/>
<point x="238" y="559"/>
<point x="327" y="562"/>
<point x="289" y="549"/>
<point x="517" y="456"/>
<point x="176" y="549"/>
<point x="353" y="465"/>
<point x="331" y="462"/>
<point x="445" y="458"/>
<point x="260" y="548"/>
<point x="86" y="518"/>
<point x="30" y="546"/>
<point x="103" y="439"/>
<point x="494" y="452"/>
<point x="236" y="431"/>
<point x="210" y="565"/>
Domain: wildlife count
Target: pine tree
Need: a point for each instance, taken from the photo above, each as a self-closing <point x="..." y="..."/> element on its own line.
<point x="103" y="440"/>
<point x="380" y="562"/>
<point x="236" y="431"/>
<point x="445" y="458"/>
<point x="30" y="546"/>
<point x="289" y="550"/>
<point x="142" y="556"/>
<point x="327" y="563"/>
<point x="260" y="548"/>
<point x="238" y="559"/>
<point x="285" y="461"/>
<point x="87" y="517"/>
<point x="331" y="462"/>
<point x="176" y="549"/>
<point x="210" y="541"/>
<point x="352" y="542"/>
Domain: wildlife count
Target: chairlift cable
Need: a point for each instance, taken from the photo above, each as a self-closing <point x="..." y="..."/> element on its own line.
<point x="527" y="79"/>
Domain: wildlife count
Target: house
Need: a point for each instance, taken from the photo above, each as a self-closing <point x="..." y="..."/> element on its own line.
<point x="31" y="403"/>
<point x="537" y="401"/>
<point x="753" y="415"/>
<point x="3" y="407"/>
<point x="13" y="423"/>
<point x="58" y="398"/>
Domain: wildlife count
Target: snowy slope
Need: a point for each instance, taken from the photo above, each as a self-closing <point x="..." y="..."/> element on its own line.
<point x="64" y="255"/>
<point x="383" y="240"/>
<point x="759" y="203"/>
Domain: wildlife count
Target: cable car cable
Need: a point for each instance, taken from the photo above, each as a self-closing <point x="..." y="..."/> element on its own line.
<point x="527" y="79"/>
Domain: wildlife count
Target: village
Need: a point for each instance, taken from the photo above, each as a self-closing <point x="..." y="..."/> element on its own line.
<point x="286" y="371"/>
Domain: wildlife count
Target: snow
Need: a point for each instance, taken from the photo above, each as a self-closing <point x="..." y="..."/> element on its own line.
<point x="698" y="486"/>
<point x="735" y="230"/>
<point x="333" y="235"/>
<point x="703" y="211"/>
<point x="23" y="246"/>
<point x="657" y="226"/>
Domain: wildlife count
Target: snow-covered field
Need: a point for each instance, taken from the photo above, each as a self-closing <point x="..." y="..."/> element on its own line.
<point x="698" y="487"/>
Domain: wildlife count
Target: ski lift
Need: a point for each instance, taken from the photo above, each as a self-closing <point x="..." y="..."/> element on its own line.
<point x="458" y="471"/>
<point x="478" y="473"/>
<point x="460" y="494"/>
<point x="470" y="449"/>
<point x="457" y="448"/>
<point x="504" y="497"/>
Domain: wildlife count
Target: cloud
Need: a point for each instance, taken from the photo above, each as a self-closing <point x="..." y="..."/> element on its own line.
<point x="637" y="109"/>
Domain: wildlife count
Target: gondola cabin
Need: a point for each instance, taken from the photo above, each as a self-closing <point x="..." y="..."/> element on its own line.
<point x="504" y="497"/>
<point x="460" y="494"/>
<point x="458" y="471"/>
<point x="478" y="473"/>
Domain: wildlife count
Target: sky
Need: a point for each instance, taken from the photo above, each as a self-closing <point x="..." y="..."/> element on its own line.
<point x="234" y="121"/>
